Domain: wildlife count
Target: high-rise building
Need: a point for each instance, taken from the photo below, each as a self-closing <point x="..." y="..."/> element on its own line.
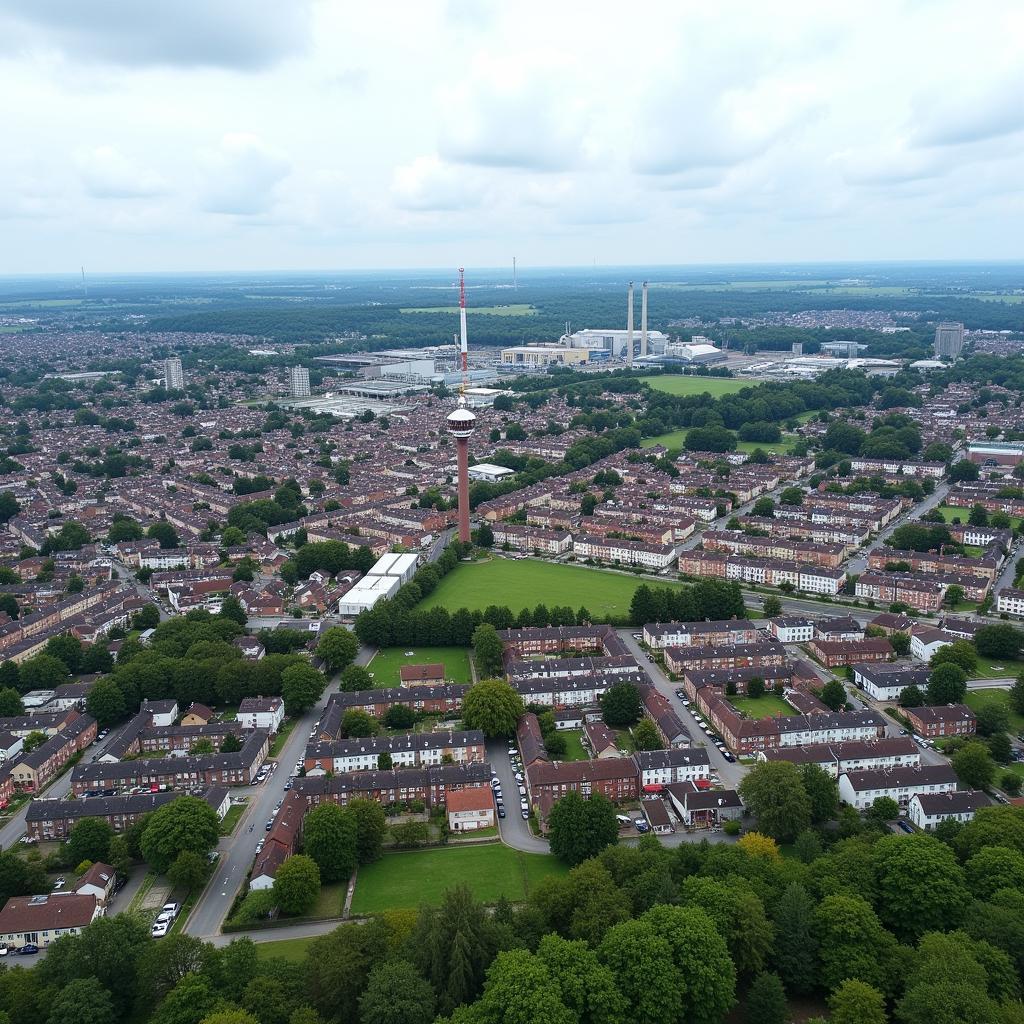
<point x="174" y="376"/>
<point x="298" y="382"/>
<point x="949" y="340"/>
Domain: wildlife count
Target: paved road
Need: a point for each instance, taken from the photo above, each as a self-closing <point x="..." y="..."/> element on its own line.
<point x="859" y="562"/>
<point x="514" y="831"/>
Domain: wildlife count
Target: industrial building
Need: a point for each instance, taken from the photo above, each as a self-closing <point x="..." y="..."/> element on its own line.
<point x="387" y="575"/>
<point x="698" y="350"/>
<point x="995" y="454"/>
<point x="489" y="473"/>
<point x="612" y="342"/>
<point x="843" y="349"/>
<point x="949" y="340"/>
<point x="543" y="355"/>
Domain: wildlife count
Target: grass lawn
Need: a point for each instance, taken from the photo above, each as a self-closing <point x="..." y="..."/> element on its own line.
<point x="673" y="439"/>
<point x="676" y="438"/>
<point x="407" y="880"/>
<point x="574" y="746"/>
<point x="386" y="663"/>
<point x="293" y="950"/>
<point x="949" y="513"/>
<point x="279" y="740"/>
<point x="761" y="707"/>
<point x="997" y="668"/>
<point x="977" y="699"/>
<point x="678" y="384"/>
<point x="231" y="819"/>
<point x="330" y="901"/>
<point x="525" y="583"/>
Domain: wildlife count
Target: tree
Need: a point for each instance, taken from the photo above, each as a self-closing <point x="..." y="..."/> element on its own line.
<point x="82" y="1001"/>
<point x="488" y="650"/>
<point x="795" y="951"/>
<point x="620" y="704"/>
<point x="852" y="943"/>
<point x="645" y="736"/>
<point x="385" y="762"/>
<point x="822" y="792"/>
<point x="355" y="678"/>
<point x="231" y="744"/>
<point x="106" y="702"/>
<point x="900" y="643"/>
<point x="580" y="828"/>
<point x="791" y="496"/>
<point x="642" y="964"/>
<point x="338" y="648"/>
<point x="492" y="706"/>
<point x="370" y="828"/>
<point x="763" y="507"/>
<point x="978" y="516"/>
<point x="90" y="840"/>
<point x="974" y="766"/>
<point x="231" y="608"/>
<point x="833" y="695"/>
<point x="853" y="1002"/>
<point x="954" y="595"/>
<point x="992" y="718"/>
<point x="399" y="716"/>
<point x="485" y="535"/>
<point x="65" y="648"/>
<point x="297" y="885"/>
<point x="1017" y="695"/>
<point x="164" y="533"/>
<point x="1000" y="640"/>
<point x="775" y="795"/>
<point x="396" y="994"/>
<point x="960" y="652"/>
<point x="9" y="506"/>
<point x="187" y="823"/>
<point x="766" y="1001"/>
<point x="771" y="607"/>
<point x="188" y="870"/>
<point x="301" y="687"/>
<point x="329" y="837"/>
<point x="452" y="945"/>
<point x="994" y="868"/>
<point x="356" y="723"/>
<point x="33" y="741"/>
<point x="884" y="809"/>
<point x="41" y="672"/>
<point x="947" y="684"/>
<point x="755" y="687"/>
<point x="911" y="697"/>
<point x="10" y="703"/>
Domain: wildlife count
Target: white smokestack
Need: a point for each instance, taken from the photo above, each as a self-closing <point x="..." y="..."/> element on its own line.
<point x="629" y="324"/>
<point x="643" y="320"/>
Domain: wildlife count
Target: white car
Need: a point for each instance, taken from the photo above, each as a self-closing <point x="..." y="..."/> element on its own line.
<point x="159" y="929"/>
<point x="170" y="908"/>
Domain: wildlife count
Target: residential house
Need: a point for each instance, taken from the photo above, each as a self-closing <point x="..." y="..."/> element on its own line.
<point x="470" y="808"/>
<point x="926" y="810"/>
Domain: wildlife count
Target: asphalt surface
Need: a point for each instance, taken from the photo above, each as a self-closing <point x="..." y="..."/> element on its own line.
<point x="858" y="563"/>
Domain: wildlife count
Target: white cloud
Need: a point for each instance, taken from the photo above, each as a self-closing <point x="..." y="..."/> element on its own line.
<point x="241" y="176"/>
<point x="109" y="174"/>
<point x="247" y="133"/>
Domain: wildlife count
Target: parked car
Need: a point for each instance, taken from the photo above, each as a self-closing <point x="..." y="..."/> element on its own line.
<point x="269" y="825"/>
<point x="60" y="883"/>
<point x="640" y="824"/>
<point x="905" y="826"/>
<point x="28" y="949"/>
<point x="731" y="758"/>
<point x="170" y="908"/>
<point x="159" y="929"/>
<point x="4" y="950"/>
<point x="259" y="846"/>
<point x="526" y="814"/>
<point x="501" y="812"/>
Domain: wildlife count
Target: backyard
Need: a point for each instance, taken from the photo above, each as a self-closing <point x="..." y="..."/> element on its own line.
<point x="761" y="707"/>
<point x="408" y="880"/>
<point x="525" y="583"/>
<point x="574" y="746"/>
<point x="387" y="662"/>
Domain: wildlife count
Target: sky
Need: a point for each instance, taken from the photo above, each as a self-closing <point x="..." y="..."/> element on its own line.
<point x="314" y="134"/>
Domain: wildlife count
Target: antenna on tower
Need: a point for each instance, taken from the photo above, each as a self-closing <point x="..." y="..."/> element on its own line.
<point x="85" y="287"/>
<point x="463" y="338"/>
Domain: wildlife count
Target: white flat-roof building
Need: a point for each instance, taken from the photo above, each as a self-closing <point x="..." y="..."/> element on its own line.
<point x="489" y="473"/>
<point x="366" y="593"/>
<point x="401" y="566"/>
<point x="613" y="341"/>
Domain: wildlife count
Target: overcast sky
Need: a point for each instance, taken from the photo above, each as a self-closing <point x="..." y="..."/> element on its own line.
<point x="280" y="134"/>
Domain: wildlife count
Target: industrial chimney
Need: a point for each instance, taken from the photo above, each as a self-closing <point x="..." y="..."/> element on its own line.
<point x="629" y="324"/>
<point x="643" y="320"/>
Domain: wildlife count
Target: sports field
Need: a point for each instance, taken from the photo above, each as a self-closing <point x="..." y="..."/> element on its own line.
<point x="525" y="583"/>
<point x="407" y="880"/>
<point x="676" y="439"/>
<point x="761" y="707"/>
<point x="678" y="384"/>
<point x="388" y="661"/>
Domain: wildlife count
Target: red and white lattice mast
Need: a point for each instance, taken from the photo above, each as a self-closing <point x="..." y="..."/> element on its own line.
<point x="461" y="423"/>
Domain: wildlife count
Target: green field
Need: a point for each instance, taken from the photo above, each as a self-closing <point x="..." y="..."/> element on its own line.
<point x="678" y="384"/>
<point x="387" y="662"/>
<point x="949" y="513"/>
<point x="997" y="668"/>
<point x="293" y="950"/>
<point x="977" y="699"/>
<point x="526" y="583"/>
<point x="514" y="309"/>
<point x="676" y="439"/>
<point x="761" y="707"/>
<point x="574" y="750"/>
<point x="407" y="880"/>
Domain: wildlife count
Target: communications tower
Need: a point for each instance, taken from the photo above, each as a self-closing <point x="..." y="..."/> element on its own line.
<point x="461" y="423"/>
